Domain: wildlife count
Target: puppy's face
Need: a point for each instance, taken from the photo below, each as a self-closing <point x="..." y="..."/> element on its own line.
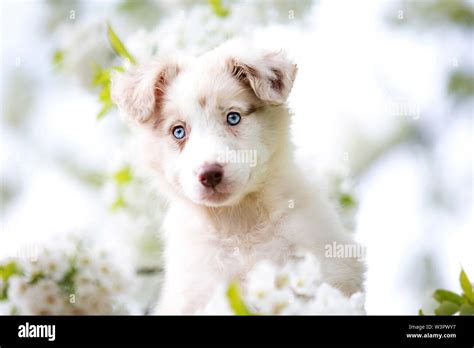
<point x="212" y="123"/>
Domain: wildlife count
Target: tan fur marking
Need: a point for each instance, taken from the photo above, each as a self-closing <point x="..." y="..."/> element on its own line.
<point x="202" y="101"/>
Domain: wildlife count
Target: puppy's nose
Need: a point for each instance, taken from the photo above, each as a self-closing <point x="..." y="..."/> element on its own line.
<point x="211" y="175"/>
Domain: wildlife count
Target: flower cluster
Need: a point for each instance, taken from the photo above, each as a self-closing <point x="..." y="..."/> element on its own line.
<point x="75" y="281"/>
<point x="295" y="288"/>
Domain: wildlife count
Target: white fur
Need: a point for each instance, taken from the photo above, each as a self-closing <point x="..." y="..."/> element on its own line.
<point x="268" y="211"/>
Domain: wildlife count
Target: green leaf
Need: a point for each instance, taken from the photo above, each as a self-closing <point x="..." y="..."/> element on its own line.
<point x="447" y="308"/>
<point x="235" y="300"/>
<point x="118" y="46"/>
<point x="119" y="203"/>
<point x="466" y="309"/>
<point x="420" y="312"/>
<point x="466" y="286"/>
<point x="67" y="284"/>
<point x="101" y="78"/>
<point x="104" y="95"/>
<point x="461" y="85"/>
<point x="218" y="8"/>
<point x="118" y="68"/>
<point x="441" y="295"/>
<point x="123" y="176"/>
<point x="105" y="109"/>
<point x="8" y="269"/>
<point x="346" y="200"/>
<point x="36" y="277"/>
<point x="58" y="57"/>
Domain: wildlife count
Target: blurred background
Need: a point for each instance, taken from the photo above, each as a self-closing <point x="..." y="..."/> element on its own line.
<point x="383" y="109"/>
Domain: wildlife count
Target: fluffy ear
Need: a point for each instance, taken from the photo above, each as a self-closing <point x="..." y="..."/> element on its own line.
<point x="139" y="92"/>
<point x="270" y="75"/>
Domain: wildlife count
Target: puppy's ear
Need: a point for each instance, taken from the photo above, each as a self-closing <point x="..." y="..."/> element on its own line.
<point x="270" y="75"/>
<point x="139" y="92"/>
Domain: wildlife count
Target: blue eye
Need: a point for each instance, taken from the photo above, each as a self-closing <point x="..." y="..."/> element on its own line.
<point x="233" y="118"/>
<point x="179" y="132"/>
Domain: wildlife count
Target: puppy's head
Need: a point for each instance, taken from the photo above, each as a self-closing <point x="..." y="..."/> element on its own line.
<point x="213" y="123"/>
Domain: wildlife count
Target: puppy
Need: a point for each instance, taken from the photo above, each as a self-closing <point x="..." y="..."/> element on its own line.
<point x="215" y="132"/>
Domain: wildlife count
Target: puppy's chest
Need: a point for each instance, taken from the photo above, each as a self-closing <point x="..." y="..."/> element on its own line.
<point x="236" y="252"/>
<point x="237" y="256"/>
<point x="228" y="249"/>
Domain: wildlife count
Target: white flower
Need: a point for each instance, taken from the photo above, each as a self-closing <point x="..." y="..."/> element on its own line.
<point x="40" y="298"/>
<point x="261" y="280"/>
<point x="294" y="288"/>
<point x="75" y="280"/>
<point x="303" y="274"/>
<point x="329" y="300"/>
<point x="17" y="287"/>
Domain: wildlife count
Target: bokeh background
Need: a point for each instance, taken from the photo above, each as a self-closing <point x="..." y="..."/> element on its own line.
<point x="383" y="110"/>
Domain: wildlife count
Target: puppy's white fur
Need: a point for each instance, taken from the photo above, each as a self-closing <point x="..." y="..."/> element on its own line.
<point x="268" y="211"/>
